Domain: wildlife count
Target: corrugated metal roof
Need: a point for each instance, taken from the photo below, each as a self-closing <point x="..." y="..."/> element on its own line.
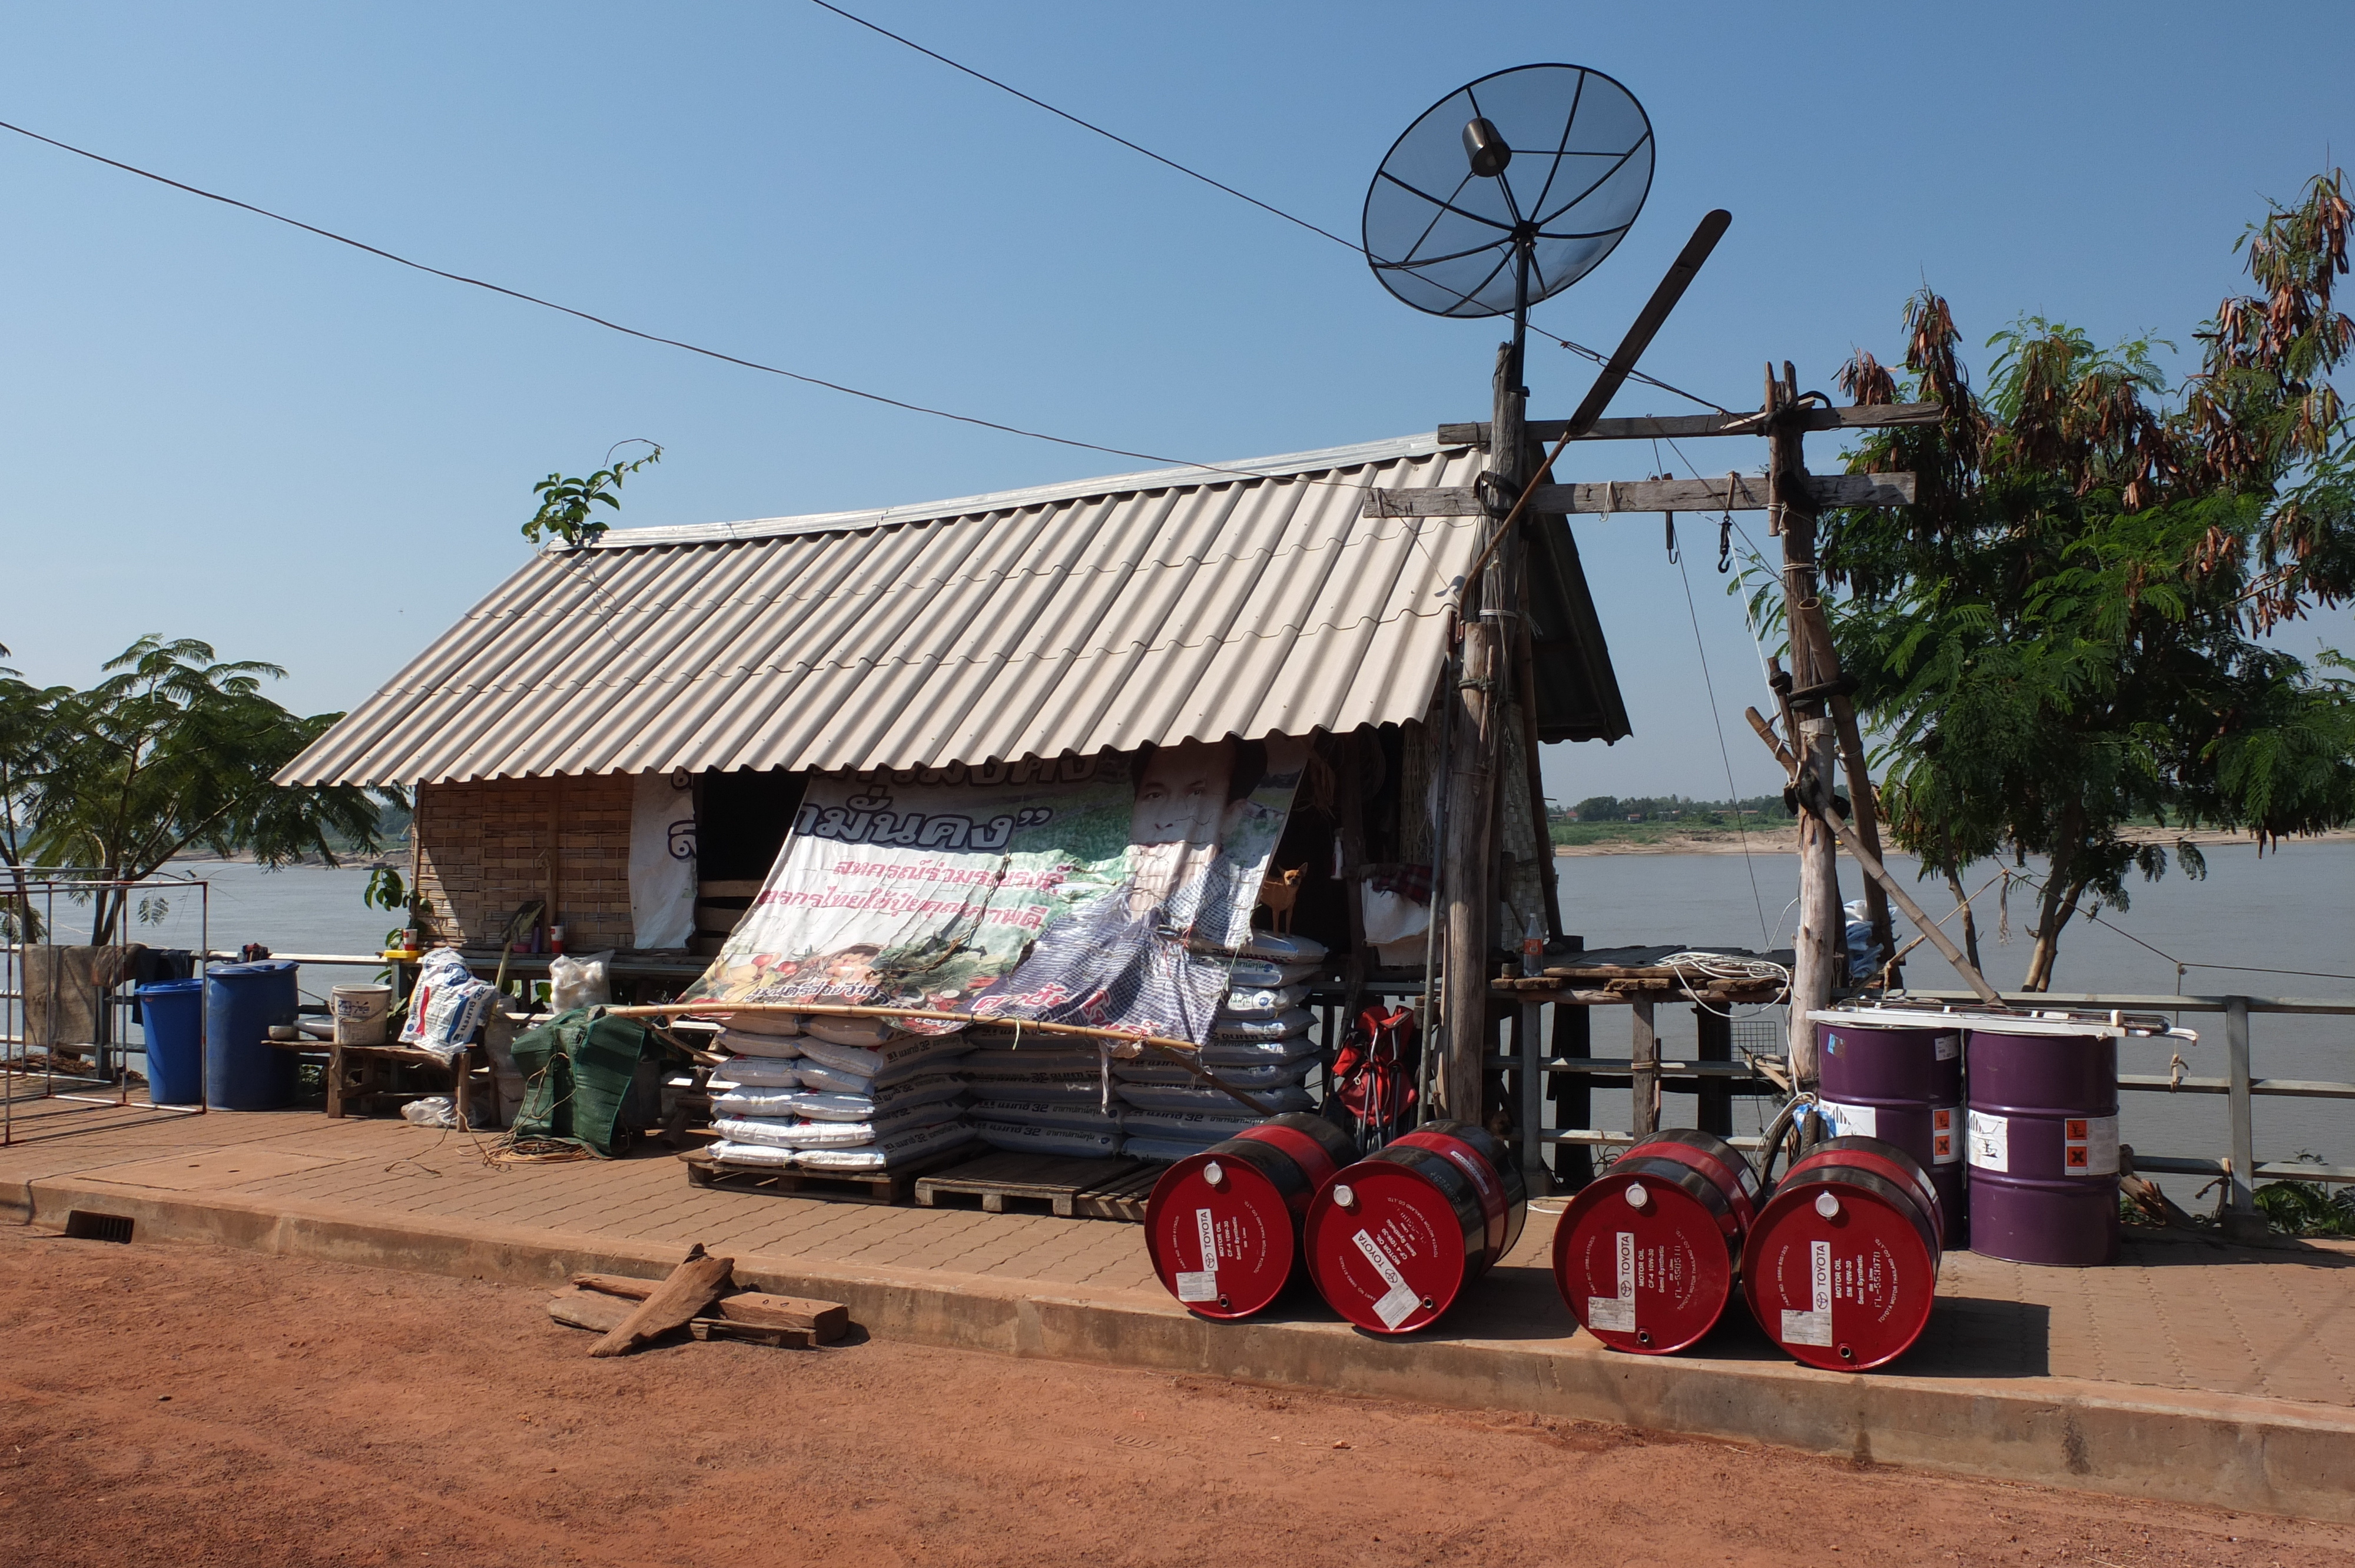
<point x="1105" y="614"/>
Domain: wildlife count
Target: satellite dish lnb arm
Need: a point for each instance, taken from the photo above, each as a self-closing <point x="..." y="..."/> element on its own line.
<point x="1648" y="322"/>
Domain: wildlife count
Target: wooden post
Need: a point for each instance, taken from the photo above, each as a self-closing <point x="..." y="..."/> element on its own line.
<point x="1814" y="667"/>
<point x="1865" y="813"/>
<point x="1714" y="1032"/>
<point x="1644" y="1082"/>
<point x="1572" y="1092"/>
<point x="1470" y="847"/>
<point x="1533" y="1078"/>
<point x="1352" y="762"/>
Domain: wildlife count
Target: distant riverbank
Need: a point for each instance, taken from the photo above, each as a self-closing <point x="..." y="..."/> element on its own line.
<point x="1783" y="838"/>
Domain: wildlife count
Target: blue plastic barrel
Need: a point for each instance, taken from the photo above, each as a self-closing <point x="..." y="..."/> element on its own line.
<point x="172" y="1012"/>
<point x="242" y="1070"/>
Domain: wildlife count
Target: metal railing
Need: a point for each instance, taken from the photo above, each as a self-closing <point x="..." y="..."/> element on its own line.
<point x="2239" y="1168"/>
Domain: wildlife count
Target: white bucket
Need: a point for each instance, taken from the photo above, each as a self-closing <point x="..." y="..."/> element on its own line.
<point x="360" y="1013"/>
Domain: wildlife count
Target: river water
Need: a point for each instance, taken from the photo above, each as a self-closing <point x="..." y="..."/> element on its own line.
<point x="2288" y="910"/>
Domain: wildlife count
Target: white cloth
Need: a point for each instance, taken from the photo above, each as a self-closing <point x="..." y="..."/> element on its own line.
<point x="662" y="861"/>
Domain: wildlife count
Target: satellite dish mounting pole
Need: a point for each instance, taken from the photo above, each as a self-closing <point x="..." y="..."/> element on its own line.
<point x="1475" y="765"/>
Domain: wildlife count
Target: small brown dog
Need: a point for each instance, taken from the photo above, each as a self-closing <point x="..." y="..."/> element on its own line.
<point x="1278" y="894"/>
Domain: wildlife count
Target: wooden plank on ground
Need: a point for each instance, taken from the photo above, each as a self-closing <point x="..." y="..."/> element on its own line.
<point x="1734" y="492"/>
<point x="576" y="1308"/>
<point x="692" y="1287"/>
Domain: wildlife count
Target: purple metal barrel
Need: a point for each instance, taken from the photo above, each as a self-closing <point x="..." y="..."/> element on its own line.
<point x="2043" y="1141"/>
<point x="1897" y="1075"/>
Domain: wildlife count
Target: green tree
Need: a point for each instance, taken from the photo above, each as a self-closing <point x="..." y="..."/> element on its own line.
<point x="2062" y="638"/>
<point x="173" y="751"/>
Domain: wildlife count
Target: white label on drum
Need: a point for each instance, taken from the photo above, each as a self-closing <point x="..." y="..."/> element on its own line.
<point x="1204" y="1228"/>
<point x="1812" y="1327"/>
<point x="1990" y="1141"/>
<point x="1617" y="1313"/>
<point x="1946" y="1135"/>
<point x="1394" y="1307"/>
<point x="1202" y="1285"/>
<point x="1850" y="1121"/>
<point x="1947" y="1047"/>
<point x="2089" y="1146"/>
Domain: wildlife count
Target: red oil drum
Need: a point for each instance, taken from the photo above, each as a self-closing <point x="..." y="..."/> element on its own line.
<point x="1842" y="1266"/>
<point x="1394" y="1239"/>
<point x="1645" y="1255"/>
<point x="1222" y="1226"/>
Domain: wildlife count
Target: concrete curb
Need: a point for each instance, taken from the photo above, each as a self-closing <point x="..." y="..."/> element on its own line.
<point x="2219" y="1450"/>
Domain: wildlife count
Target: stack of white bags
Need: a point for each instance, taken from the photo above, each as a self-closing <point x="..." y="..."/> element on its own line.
<point x="836" y="1094"/>
<point x="1039" y="1094"/>
<point x="1261" y="1042"/>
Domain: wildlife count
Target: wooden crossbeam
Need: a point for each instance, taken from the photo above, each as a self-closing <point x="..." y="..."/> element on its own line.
<point x="1876" y="417"/>
<point x="1741" y="492"/>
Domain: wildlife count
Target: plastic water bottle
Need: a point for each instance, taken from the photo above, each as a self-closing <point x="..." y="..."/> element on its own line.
<point x="1533" y="943"/>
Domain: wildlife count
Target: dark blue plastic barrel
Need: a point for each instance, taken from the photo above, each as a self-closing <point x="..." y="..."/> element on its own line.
<point x="242" y="1070"/>
<point x="172" y="1013"/>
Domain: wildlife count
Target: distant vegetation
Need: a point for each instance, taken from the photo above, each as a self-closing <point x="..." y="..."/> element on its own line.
<point x="1651" y="819"/>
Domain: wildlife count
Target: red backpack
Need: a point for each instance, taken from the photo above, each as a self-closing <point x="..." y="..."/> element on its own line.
<point x="1373" y="1076"/>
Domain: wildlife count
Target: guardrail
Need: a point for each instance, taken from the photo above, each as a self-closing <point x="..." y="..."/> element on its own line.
<point x="2239" y="1085"/>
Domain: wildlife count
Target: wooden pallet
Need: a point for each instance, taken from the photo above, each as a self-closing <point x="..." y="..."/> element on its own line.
<point x="1122" y="1197"/>
<point x="1070" y="1187"/>
<point x="891" y="1186"/>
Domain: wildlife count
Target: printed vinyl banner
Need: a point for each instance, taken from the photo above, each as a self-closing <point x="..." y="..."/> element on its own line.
<point x="1084" y="890"/>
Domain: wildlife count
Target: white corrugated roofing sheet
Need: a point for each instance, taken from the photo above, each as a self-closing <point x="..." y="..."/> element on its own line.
<point x="1147" y="607"/>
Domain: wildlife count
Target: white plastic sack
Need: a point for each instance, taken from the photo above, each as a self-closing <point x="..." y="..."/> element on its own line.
<point x="1201" y="1127"/>
<point x="662" y="861"/>
<point x="1178" y="1097"/>
<point x="1069" y="1118"/>
<point x="756" y="1099"/>
<point x="580" y="982"/>
<point x="1138" y="1146"/>
<point x="1258" y="1052"/>
<point x="1266" y="1076"/>
<point x="1282" y="1026"/>
<point x="771" y="1070"/>
<point x="764" y="1022"/>
<point x="448" y="1006"/>
<point x="1262" y="1003"/>
<point x="1258" y="974"/>
<point x="745" y="1044"/>
<point x="893" y="1057"/>
<point x="849" y="1031"/>
<point x="887" y="1151"/>
<point x="1279" y="949"/>
<point x="1018" y="1138"/>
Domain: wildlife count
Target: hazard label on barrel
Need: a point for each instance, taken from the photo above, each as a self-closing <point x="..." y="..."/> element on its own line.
<point x="2089" y="1146"/>
<point x="1401" y="1299"/>
<point x="1945" y="1141"/>
<point x="1617" y="1313"/>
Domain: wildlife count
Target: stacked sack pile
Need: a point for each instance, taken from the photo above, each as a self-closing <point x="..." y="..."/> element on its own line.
<point x="1262" y="1044"/>
<point x="836" y="1094"/>
<point x="1039" y="1094"/>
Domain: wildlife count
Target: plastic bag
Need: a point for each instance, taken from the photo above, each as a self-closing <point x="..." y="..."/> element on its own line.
<point x="433" y="1110"/>
<point x="580" y="983"/>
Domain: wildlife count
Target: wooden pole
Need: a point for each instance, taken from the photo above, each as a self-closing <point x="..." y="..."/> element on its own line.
<point x="1814" y="667"/>
<point x="1865" y="812"/>
<point x="1644" y="1080"/>
<point x="1470" y="847"/>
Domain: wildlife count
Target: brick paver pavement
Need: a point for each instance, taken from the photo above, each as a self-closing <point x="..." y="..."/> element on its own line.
<point x="2275" y="1322"/>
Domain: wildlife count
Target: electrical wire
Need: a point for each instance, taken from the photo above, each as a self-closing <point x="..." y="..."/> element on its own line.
<point x="627" y="331"/>
<point x="1217" y="184"/>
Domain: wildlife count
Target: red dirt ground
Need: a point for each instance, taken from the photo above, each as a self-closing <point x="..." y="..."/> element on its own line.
<point x="185" y="1405"/>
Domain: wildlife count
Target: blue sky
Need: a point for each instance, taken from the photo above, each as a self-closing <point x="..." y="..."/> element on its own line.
<point x="218" y="426"/>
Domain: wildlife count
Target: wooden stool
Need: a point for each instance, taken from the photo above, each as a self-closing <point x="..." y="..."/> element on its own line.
<point x="360" y="1070"/>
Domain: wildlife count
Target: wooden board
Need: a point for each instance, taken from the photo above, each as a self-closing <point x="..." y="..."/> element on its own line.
<point x="892" y="1186"/>
<point x="1056" y="1180"/>
<point x="829" y="1320"/>
<point x="754" y="1333"/>
<point x="1663" y="427"/>
<point x="1735" y="493"/>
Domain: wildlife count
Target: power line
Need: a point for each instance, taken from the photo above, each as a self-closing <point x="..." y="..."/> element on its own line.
<point x="1218" y="185"/>
<point x="615" y="325"/>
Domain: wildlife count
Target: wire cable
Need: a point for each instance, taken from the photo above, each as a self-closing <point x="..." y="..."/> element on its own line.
<point x="615" y="325"/>
<point x="1192" y="174"/>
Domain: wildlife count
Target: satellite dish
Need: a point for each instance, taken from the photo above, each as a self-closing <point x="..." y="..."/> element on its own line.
<point x="1509" y="190"/>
